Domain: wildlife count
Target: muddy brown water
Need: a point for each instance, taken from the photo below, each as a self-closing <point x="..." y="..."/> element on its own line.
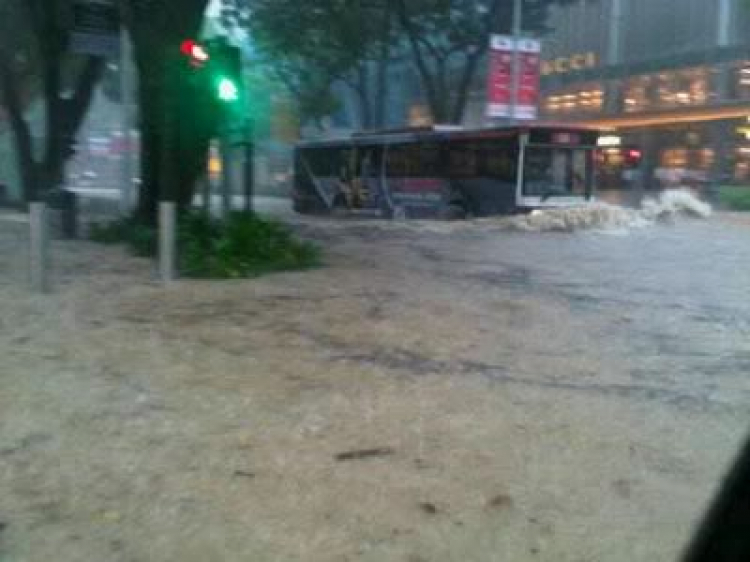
<point x="560" y="396"/>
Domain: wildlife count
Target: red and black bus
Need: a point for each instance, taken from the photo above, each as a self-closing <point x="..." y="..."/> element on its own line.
<point x="447" y="172"/>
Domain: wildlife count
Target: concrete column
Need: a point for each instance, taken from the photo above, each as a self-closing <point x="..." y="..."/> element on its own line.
<point x="613" y="55"/>
<point x="614" y="46"/>
<point x="724" y="22"/>
<point x="38" y="248"/>
<point x="167" y="241"/>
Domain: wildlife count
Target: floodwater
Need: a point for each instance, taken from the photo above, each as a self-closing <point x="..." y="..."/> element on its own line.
<point x="665" y="305"/>
<point x="566" y="396"/>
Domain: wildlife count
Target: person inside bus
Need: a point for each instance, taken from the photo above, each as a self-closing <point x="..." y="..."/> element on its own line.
<point x="344" y="196"/>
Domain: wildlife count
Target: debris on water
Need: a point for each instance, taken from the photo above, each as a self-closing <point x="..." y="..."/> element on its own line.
<point x="3" y="526"/>
<point x="428" y="508"/>
<point x="501" y="501"/>
<point x="421" y="464"/>
<point x="364" y="454"/>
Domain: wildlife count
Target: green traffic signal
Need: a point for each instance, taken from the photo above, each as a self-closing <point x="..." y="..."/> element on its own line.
<point x="227" y="90"/>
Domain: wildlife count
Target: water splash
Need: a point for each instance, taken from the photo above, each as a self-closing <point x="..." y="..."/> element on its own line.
<point x="597" y="216"/>
<point x="603" y="216"/>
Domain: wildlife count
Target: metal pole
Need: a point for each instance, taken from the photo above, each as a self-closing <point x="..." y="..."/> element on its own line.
<point x="38" y="248"/>
<point x="206" y="193"/>
<point x="167" y="241"/>
<point x="226" y="173"/>
<point x="515" y="78"/>
<point x="126" y="87"/>
<point x="249" y="168"/>
<point x="168" y="186"/>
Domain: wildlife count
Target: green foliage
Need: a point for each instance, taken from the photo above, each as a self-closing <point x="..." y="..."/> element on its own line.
<point x="736" y="198"/>
<point x="309" y="46"/>
<point x="243" y="245"/>
<point x="140" y="239"/>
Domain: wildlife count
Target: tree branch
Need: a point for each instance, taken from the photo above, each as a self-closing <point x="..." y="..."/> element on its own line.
<point x="76" y="107"/>
<point x="419" y="59"/>
<point x="472" y="62"/>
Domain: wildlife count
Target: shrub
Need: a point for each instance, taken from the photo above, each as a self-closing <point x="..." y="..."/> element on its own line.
<point x="140" y="238"/>
<point x="242" y="245"/>
<point x="735" y="198"/>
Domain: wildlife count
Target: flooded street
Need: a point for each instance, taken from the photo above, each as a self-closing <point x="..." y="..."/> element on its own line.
<point x="436" y="392"/>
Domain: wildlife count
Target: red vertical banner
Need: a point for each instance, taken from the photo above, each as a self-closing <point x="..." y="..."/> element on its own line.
<point x="499" y="77"/>
<point x="527" y="100"/>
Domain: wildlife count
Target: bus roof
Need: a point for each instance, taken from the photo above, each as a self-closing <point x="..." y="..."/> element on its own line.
<point x="442" y="132"/>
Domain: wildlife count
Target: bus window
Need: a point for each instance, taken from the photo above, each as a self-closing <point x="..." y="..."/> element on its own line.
<point x="417" y="160"/>
<point x="462" y="161"/>
<point x="550" y="172"/>
<point x="325" y="162"/>
<point x="500" y="161"/>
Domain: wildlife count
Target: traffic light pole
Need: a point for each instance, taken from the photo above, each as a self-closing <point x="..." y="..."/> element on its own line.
<point x="226" y="170"/>
<point x="249" y="167"/>
<point x="167" y="180"/>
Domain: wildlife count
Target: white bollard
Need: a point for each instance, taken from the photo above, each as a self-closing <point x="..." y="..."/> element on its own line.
<point x="38" y="248"/>
<point x="167" y="241"/>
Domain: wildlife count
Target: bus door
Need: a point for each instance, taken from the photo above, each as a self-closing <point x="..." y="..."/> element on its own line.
<point x="555" y="175"/>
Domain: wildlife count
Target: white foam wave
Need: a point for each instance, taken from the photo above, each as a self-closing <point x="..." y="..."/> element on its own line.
<point x="603" y="216"/>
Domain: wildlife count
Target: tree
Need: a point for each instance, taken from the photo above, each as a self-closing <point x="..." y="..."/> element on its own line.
<point x="177" y="119"/>
<point x="34" y="36"/>
<point x="445" y="41"/>
<point x="448" y="39"/>
<point x="310" y="46"/>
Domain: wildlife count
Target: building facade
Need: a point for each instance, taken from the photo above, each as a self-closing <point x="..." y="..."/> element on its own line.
<point x="669" y="78"/>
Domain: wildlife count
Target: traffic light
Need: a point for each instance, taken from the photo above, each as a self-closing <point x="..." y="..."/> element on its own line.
<point x="633" y="157"/>
<point x="226" y="71"/>
<point x="196" y="54"/>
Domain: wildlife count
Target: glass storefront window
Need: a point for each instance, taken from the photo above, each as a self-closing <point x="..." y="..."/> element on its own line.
<point x="585" y="98"/>
<point x="741" y="81"/>
<point x="667" y="90"/>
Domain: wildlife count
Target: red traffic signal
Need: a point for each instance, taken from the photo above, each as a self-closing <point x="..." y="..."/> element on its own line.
<point x="195" y="52"/>
<point x="633" y="156"/>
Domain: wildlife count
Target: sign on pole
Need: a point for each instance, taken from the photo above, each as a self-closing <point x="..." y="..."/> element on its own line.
<point x="500" y="96"/>
<point x="499" y="76"/>
<point x="96" y="28"/>
<point x="527" y="97"/>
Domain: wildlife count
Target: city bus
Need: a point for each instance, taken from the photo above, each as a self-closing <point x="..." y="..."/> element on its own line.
<point x="446" y="172"/>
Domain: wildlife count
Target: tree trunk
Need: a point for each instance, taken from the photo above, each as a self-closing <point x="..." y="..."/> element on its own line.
<point x="74" y="110"/>
<point x="434" y="98"/>
<point x="363" y="91"/>
<point x="383" y="65"/>
<point x="52" y="167"/>
<point x="157" y="30"/>
<point x="464" y="85"/>
<point x="21" y="132"/>
<point x="150" y="111"/>
<point x="170" y="142"/>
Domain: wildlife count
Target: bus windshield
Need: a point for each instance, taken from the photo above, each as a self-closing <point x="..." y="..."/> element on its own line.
<point x="556" y="172"/>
